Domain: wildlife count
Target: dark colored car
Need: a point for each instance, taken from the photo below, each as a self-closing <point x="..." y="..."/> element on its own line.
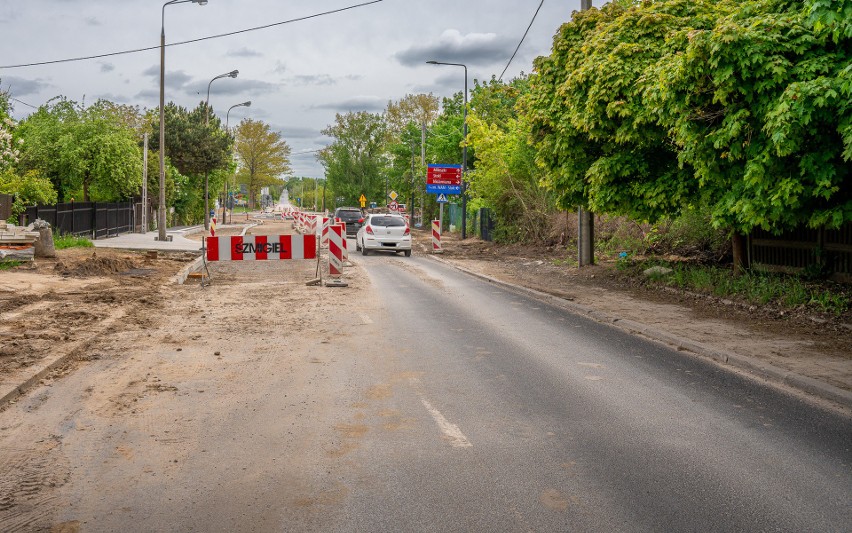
<point x="351" y="217"/>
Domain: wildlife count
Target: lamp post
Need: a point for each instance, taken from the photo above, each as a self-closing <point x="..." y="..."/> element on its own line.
<point x="161" y="219"/>
<point x="464" y="148"/>
<point x="228" y="129"/>
<point x="232" y="74"/>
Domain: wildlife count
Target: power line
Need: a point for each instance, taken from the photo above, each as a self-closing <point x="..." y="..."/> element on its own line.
<point x="136" y="50"/>
<point x="522" y="41"/>
<point x="22" y="102"/>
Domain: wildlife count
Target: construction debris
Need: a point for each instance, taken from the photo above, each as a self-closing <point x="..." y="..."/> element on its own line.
<point x="17" y="243"/>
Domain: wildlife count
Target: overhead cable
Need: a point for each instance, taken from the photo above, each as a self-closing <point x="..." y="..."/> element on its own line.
<point x="209" y="37"/>
<point x="522" y="41"/>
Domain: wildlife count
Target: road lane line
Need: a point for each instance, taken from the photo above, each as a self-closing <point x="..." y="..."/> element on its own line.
<point x="452" y="431"/>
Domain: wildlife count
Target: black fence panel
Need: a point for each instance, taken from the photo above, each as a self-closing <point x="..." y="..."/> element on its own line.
<point x="85" y="219"/>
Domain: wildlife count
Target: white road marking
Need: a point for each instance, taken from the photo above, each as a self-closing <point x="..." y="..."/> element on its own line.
<point x="452" y="431"/>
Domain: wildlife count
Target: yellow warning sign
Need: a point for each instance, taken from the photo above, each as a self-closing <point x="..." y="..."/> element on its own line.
<point x="363" y="201"/>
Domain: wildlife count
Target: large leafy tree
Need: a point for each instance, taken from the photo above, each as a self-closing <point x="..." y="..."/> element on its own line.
<point x="100" y="154"/>
<point x="355" y="161"/>
<point x="263" y="157"/>
<point x="760" y="107"/>
<point x="41" y="132"/>
<point x="645" y="108"/>
<point x="90" y="153"/>
<point x="602" y="146"/>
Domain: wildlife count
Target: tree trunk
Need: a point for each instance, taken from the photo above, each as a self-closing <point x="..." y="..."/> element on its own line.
<point x="738" y="245"/>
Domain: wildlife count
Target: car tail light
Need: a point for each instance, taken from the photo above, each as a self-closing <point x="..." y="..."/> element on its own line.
<point x="360" y="221"/>
<point x="369" y="230"/>
<point x="407" y="231"/>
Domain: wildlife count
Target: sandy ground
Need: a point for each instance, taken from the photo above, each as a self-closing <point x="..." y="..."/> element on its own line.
<point x="158" y="363"/>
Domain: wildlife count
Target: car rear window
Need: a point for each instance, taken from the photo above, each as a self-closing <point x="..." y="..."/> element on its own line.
<point x="349" y="215"/>
<point x="387" y="221"/>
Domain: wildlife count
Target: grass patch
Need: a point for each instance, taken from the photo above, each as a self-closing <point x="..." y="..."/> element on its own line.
<point x="758" y="288"/>
<point x="61" y="242"/>
<point x="9" y="265"/>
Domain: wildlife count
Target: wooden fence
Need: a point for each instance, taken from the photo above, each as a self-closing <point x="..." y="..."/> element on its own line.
<point x="799" y="249"/>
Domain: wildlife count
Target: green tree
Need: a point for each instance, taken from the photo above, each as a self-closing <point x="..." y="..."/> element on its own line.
<point x="506" y="178"/>
<point x="647" y="108"/>
<point x="28" y="189"/>
<point x="100" y="154"/>
<point x="355" y="161"/>
<point x="41" y="150"/>
<point x="760" y="107"/>
<point x="602" y="146"/>
<point x="263" y="157"/>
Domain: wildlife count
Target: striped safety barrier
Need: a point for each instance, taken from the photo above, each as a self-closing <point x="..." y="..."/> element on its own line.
<point x="261" y="247"/>
<point x="436" y="237"/>
<point x="336" y="240"/>
<point x="326" y="222"/>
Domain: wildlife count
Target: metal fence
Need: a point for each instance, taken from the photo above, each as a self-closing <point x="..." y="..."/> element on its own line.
<point x="6" y="206"/>
<point x="96" y="220"/>
<point x="802" y="248"/>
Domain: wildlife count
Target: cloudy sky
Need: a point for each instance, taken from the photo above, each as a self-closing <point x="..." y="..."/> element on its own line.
<point x="297" y="75"/>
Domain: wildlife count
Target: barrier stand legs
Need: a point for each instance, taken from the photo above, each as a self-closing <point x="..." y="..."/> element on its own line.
<point x="436" y="237"/>
<point x="205" y="273"/>
<point x="336" y="240"/>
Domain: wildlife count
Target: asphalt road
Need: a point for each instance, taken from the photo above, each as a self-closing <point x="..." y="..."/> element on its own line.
<point x="546" y="421"/>
<point x="416" y="399"/>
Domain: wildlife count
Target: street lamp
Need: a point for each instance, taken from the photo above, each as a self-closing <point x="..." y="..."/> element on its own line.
<point x="161" y="222"/>
<point x="227" y="117"/>
<point x="464" y="148"/>
<point x="232" y="74"/>
<point x="228" y="129"/>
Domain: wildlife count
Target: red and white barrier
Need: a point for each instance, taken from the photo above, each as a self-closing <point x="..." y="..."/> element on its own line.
<point x="336" y="240"/>
<point x="311" y="225"/>
<point x="261" y="247"/>
<point x="345" y="243"/>
<point x="436" y="237"/>
<point x="326" y="222"/>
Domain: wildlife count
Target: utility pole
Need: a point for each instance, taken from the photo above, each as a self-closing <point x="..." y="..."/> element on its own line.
<point x="585" y="219"/>
<point x="145" y="185"/>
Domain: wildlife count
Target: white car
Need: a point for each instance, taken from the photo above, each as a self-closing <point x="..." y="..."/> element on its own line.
<point x="384" y="232"/>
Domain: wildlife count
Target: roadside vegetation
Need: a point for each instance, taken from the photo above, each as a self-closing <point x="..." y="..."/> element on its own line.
<point x="62" y="242"/>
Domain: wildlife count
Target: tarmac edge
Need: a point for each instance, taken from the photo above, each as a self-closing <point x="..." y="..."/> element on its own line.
<point x="751" y="365"/>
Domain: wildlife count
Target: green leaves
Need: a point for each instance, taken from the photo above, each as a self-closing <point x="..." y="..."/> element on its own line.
<point x="650" y="108"/>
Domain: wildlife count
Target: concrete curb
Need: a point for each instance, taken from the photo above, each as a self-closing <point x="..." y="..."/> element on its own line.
<point x="10" y="392"/>
<point x="180" y="277"/>
<point x="751" y="365"/>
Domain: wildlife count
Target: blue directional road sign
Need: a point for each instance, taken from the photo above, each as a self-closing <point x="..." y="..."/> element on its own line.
<point x="443" y="179"/>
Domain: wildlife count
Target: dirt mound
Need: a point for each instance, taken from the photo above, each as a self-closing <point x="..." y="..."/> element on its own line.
<point x="94" y="266"/>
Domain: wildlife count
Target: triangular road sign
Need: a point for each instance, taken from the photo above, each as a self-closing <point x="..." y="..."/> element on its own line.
<point x="442" y="199"/>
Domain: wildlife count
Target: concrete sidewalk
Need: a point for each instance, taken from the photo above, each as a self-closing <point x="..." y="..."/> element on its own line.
<point x="148" y="241"/>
